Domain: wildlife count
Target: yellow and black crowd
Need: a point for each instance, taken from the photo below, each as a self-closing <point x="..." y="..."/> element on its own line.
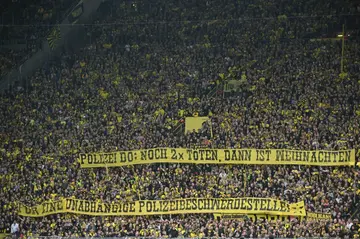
<point x="149" y="65"/>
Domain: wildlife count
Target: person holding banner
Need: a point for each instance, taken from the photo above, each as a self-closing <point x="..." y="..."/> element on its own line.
<point x="15" y="230"/>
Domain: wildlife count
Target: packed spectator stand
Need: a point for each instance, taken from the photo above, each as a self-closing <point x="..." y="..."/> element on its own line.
<point x="147" y="66"/>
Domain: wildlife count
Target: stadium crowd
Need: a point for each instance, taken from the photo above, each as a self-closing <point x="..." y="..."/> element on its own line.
<point x="190" y="226"/>
<point x="148" y="66"/>
<point x="27" y="22"/>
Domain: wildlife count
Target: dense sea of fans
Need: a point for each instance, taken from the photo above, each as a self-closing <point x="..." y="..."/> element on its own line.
<point x="151" y="64"/>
